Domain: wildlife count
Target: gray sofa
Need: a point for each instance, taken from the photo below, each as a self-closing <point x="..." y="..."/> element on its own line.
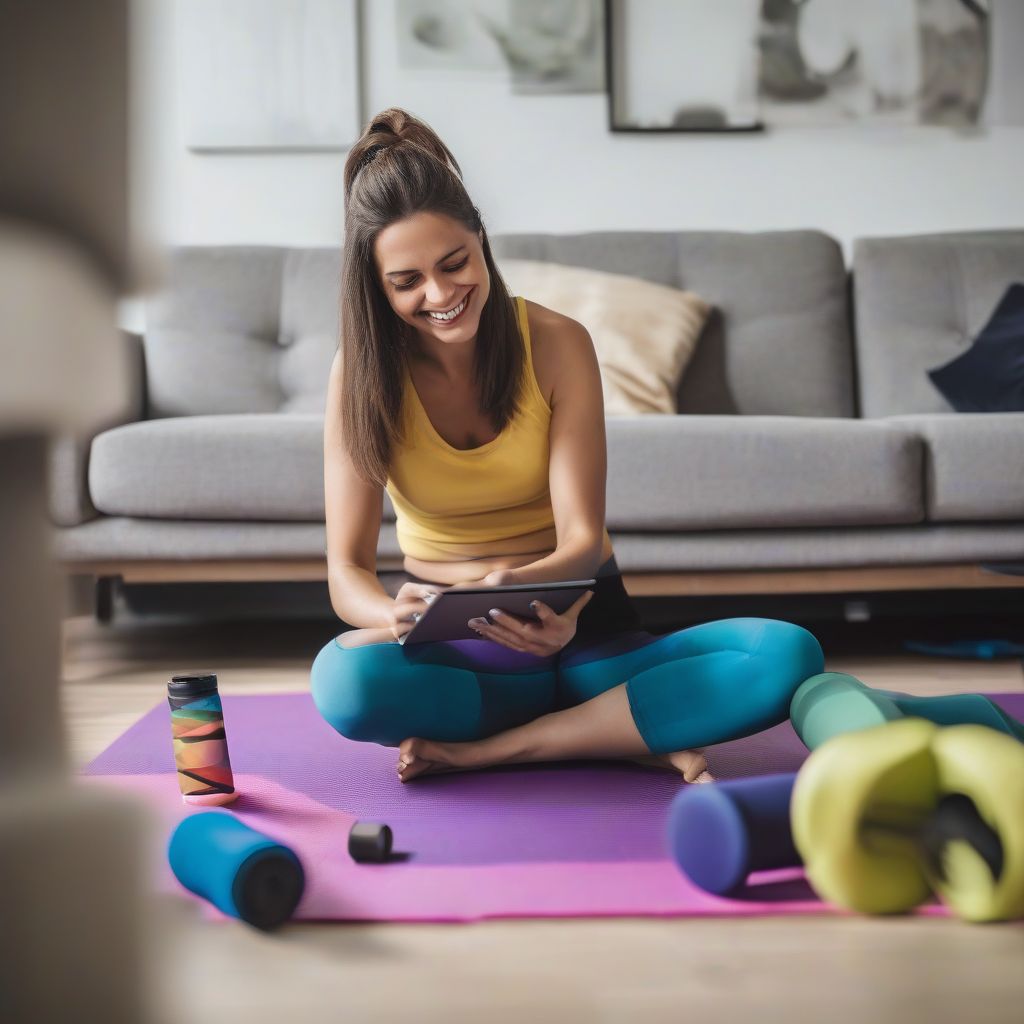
<point x="806" y="456"/>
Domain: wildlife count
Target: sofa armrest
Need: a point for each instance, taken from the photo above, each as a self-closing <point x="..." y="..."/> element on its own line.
<point x="70" y="503"/>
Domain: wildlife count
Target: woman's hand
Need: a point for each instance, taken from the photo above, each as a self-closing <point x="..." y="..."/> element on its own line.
<point x="411" y="601"/>
<point x="543" y="638"/>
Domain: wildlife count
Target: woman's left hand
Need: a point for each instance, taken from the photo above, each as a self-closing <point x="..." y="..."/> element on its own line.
<point x="543" y="638"/>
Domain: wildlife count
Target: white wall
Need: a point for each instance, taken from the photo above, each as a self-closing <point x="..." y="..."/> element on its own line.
<point x="550" y="164"/>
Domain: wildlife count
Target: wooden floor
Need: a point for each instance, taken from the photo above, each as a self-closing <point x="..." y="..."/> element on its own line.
<point x="600" y="971"/>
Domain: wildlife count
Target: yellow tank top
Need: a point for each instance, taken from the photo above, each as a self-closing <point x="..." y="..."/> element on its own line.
<point x="453" y="504"/>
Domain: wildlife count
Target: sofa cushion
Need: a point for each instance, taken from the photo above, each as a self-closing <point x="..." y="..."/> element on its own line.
<point x="974" y="465"/>
<point x="644" y="333"/>
<point x="989" y="376"/>
<point x="778" y="341"/>
<point x="748" y="551"/>
<point x="919" y="302"/>
<point x="123" y="539"/>
<point x="241" y="467"/>
<point x="732" y="472"/>
<point x="242" y="329"/>
<point x="664" y="473"/>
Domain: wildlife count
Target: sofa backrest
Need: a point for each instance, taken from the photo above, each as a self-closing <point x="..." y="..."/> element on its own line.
<point x="254" y="329"/>
<point x="242" y="329"/>
<point x="779" y="340"/>
<point x="919" y="302"/>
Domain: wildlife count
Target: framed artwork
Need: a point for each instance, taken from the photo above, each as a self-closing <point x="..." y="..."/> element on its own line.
<point x="682" y="65"/>
<point x="273" y="75"/>
<point x="448" y="35"/>
<point x="545" y="46"/>
<point x="691" y="65"/>
<point x="824" y="63"/>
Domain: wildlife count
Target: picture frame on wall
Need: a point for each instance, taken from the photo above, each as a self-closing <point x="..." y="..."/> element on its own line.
<point x="747" y="65"/>
<point x="682" y="66"/>
<point x="267" y="76"/>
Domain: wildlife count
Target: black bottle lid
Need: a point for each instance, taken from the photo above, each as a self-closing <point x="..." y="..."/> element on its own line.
<point x="192" y="684"/>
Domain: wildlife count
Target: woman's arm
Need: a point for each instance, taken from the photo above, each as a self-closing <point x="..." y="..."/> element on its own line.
<point x="352" y="508"/>
<point x="577" y="462"/>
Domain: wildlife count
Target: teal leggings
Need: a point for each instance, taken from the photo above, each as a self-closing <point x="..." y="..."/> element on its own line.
<point x="706" y="684"/>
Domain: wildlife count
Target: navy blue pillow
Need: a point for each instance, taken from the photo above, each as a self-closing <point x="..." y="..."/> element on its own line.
<point x="989" y="376"/>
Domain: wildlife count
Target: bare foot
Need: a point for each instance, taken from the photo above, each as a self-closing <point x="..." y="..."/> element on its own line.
<point x="425" y="757"/>
<point x="688" y="763"/>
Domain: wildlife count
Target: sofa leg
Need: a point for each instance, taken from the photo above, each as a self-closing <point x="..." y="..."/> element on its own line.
<point x="105" y="590"/>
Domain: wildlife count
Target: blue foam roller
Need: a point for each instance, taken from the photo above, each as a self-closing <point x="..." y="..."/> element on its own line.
<point x="720" y="832"/>
<point x="240" y="871"/>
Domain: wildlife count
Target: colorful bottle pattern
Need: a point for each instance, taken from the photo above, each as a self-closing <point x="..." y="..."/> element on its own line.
<point x="200" y="742"/>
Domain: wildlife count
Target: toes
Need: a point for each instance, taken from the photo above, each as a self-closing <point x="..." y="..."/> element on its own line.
<point x="407" y="751"/>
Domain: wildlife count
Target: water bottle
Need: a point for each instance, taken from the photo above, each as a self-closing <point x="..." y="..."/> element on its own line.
<point x="200" y="743"/>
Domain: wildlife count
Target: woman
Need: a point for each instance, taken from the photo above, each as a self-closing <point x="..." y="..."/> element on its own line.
<point x="482" y="416"/>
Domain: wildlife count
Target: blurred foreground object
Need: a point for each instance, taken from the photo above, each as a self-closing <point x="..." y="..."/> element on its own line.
<point x="886" y="816"/>
<point x="72" y="905"/>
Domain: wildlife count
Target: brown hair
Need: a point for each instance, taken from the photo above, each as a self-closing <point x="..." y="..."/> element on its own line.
<point x="399" y="167"/>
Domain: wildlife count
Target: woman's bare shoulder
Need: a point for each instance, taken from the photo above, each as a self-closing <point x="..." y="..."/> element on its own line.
<point x="558" y="343"/>
<point x="542" y="319"/>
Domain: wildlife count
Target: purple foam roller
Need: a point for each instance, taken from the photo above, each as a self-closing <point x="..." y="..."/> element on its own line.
<point x="719" y="833"/>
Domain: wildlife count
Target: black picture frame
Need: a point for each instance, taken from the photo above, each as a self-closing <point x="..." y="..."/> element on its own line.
<point x="613" y="12"/>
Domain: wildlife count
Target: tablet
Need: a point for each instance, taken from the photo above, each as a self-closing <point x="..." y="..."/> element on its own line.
<point x="447" y="615"/>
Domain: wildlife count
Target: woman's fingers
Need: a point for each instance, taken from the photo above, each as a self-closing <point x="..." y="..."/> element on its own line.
<point x="500" y="624"/>
<point x="504" y="632"/>
<point x="419" y="592"/>
<point x="546" y="614"/>
<point x="549" y="632"/>
<point x="405" y="610"/>
<point x="542" y="611"/>
<point x="503" y="637"/>
<point x="527" y="637"/>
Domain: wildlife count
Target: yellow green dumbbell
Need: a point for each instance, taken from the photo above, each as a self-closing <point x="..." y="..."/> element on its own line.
<point x="884" y="816"/>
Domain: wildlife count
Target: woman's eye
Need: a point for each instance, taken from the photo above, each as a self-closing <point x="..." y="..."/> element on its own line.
<point x="447" y="270"/>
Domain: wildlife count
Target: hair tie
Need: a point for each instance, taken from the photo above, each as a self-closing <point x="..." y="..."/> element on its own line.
<point x="367" y="158"/>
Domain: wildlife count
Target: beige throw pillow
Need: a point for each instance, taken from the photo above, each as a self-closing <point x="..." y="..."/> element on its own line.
<point x="644" y="333"/>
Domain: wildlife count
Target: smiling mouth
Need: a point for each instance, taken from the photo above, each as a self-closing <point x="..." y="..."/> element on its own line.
<point x="444" y="322"/>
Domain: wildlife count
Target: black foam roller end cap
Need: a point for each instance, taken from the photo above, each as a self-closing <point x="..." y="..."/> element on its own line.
<point x="268" y="889"/>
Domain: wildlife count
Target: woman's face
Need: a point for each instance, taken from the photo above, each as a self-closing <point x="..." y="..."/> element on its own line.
<point x="429" y="263"/>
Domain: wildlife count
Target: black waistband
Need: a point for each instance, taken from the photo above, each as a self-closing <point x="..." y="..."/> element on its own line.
<point x="609" y="611"/>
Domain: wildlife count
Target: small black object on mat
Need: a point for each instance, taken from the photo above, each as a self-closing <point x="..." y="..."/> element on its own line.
<point x="369" y="842"/>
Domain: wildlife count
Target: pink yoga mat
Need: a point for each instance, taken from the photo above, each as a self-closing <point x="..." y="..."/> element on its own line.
<point x="574" y="839"/>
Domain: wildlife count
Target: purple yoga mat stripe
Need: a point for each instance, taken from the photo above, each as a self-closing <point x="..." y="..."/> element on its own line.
<point x="582" y="838"/>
